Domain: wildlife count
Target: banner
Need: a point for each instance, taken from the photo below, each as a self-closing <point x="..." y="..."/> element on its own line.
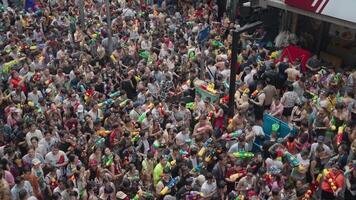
<point x="341" y="9"/>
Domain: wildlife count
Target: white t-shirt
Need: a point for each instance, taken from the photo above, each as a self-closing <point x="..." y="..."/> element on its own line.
<point x="30" y="135"/>
<point x="54" y="159"/>
<point x="207" y="188"/>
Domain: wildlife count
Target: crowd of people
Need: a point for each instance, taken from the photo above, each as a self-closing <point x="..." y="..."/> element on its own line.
<point x="85" y="116"/>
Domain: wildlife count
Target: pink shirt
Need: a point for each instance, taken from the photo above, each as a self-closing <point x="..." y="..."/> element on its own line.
<point x="9" y="178"/>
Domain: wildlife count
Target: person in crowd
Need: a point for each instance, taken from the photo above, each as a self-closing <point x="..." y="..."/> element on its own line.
<point x="141" y="110"/>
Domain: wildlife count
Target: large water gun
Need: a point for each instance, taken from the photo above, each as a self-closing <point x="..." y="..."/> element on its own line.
<point x="170" y="185"/>
<point x="6" y="68"/>
<point x="233" y="135"/>
<point x="103" y="132"/>
<point x="340" y="134"/>
<point x="210" y="156"/>
<point x="243" y="155"/>
<point x="205" y="147"/>
<point x="294" y="161"/>
<point x="238" y="175"/>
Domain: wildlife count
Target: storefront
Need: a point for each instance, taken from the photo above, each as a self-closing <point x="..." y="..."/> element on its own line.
<point x="325" y="27"/>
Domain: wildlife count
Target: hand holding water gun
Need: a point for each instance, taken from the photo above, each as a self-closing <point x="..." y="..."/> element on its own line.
<point x="238" y="175"/>
<point x="243" y="155"/>
<point x="170" y="185"/>
<point x="205" y="147"/>
<point x="233" y="135"/>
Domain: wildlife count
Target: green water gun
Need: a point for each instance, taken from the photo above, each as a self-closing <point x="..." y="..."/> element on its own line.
<point x="110" y="161"/>
<point x="243" y="154"/>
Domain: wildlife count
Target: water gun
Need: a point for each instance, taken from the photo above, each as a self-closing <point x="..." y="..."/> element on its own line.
<point x="82" y="88"/>
<point x="6" y="68"/>
<point x="36" y="105"/>
<point x="190" y="106"/>
<point x="123" y="103"/>
<point x="330" y="178"/>
<point x="255" y="93"/>
<point x="216" y="43"/>
<point x="170" y="185"/>
<point x="294" y="161"/>
<point x="205" y="146"/>
<point x="156" y="144"/>
<point x="110" y="161"/>
<point x="340" y="134"/>
<point x="238" y="175"/>
<point x="144" y="54"/>
<point x="99" y="142"/>
<point x="106" y="103"/>
<point x="232" y="135"/>
<point x="113" y="58"/>
<point x="135" y="138"/>
<point x="210" y="156"/>
<point x="103" y="132"/>
<point x="243" y="154"/>
<point x="197" y="168"/>
<point x="142" y="117"/>
<point x="114" y="94"/>
<point x="183" y="153"/>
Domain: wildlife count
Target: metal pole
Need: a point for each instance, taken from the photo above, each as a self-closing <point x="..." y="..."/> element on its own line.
<point x="108" y="20"/>
<point x="81" y="14"/>
<point x="233" y="72"/>
<point x="234" y="69"/>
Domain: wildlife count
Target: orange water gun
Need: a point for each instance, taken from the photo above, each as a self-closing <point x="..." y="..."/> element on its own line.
<point x="103" y="132"/>
<point x="255" y="93"/>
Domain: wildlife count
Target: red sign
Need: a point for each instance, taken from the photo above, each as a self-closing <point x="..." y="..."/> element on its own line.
<point x="341" y="9"/>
